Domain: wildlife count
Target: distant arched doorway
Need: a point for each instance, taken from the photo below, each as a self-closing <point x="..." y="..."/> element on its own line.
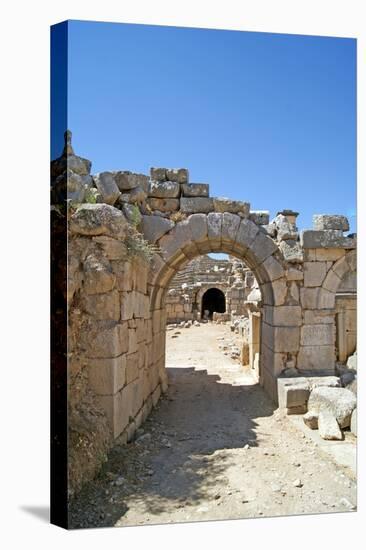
<point x="213" y="300"/>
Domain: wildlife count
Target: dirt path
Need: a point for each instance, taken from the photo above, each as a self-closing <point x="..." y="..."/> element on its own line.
<point x="214" y="448"/>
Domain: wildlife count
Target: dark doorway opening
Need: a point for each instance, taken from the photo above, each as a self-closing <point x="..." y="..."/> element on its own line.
<point x="212" y="300"/>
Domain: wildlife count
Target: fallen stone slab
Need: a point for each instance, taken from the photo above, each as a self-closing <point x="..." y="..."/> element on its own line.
<point x="293" y="392"/>
<point x="352" y="361"/>
<point x="340" y="401"/>
<point x="327" y="221"/>
<point x="328" y="426"/>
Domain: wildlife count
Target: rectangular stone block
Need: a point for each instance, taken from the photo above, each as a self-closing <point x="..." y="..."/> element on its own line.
<point x="293" y="393"/>
<point x="314" y="273"/>
<point x="104" y="339"/>
<point x="107" y="376"/>
<point x="181" y="175"/>
<point x="286" y="339"/>
<point x="262" y="247"/>
<point x="195" y="190"/>
<point x="164" y="189"/>
<point x="158" y="174"/>
<point x="329" y="254"/>
<point x="285" y="316"/>
<point x="192" y="205"/>
<point x="230" y="226"/>
<point x="316" y="358"/>
<point x="102" y="306"/>
<point x="273" y="268"/>
<point x="132" y="367"/>
<point x="309" y="298"/>
<point x="331" y="238"/>
<point x="214" y="224"/>
<point x="163" y="205"/>
<point x="317" y="335"/>
<point x="318" y="317"/>
<point x="326" y="221"/>
<point x="123" y="273"/>
<point x="132" y="340"/>
<point x="112" y="248"/>
<point x="294" y="274"/>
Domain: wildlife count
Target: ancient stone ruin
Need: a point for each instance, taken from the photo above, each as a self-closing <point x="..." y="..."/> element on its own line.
<point x="130" y="237"/>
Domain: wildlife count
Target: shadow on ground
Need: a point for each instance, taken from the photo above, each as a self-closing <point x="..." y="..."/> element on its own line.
<point x="180" y="462"/>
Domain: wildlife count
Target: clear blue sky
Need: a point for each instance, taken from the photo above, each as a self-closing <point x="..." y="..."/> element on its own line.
<point x="266" y="118"/>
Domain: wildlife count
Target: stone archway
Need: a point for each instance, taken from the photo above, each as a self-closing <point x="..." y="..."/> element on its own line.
<point x="229" y="233"/>
<point x="213" y="300"/>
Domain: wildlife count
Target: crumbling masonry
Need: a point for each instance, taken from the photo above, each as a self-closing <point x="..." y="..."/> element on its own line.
<point x="118" y="284"/>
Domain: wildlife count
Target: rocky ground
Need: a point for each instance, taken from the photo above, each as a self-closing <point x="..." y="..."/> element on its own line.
<point x="214" y="448"/>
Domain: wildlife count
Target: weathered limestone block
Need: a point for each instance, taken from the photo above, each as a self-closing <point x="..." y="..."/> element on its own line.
<point x="262" y="247"/>
<point x="318" y="317"/>
<point x="229" y="229"/>
<point x="326" y="299"/>
<point x="179" y="175"/>
<point x="113" y="249"/>
<point x="126" y="180"/>
<point x="314" y="273"/>
<point x="321" y="335"/>
<point x="273" y="268"/>
<point x="339" y="401"/>
<point x="246" y="234"/>
<point x="123" y="272"/>
<point x="328" y="426"/>
<point x="154" y="227"/>
<point x="330" y="238"/>
<point x="352" y="361"/>
<point x="332" y="281"/>
<point x="283" y="316"/>
<point x="309" y="298"/>
<point x="316" y="358"/>
<point x="98" y="219"/>
<point x="285" y="229"/>
<point x="71" y="186"/>
<point x="98" y="275"/>
<point x="195" y="190"/>
<point x="214" y="225"/>
<point x="163" y="205"/>
<point x="293" y="392"/>
<point x="311" y="420"/>
<point x="158" y="174"/>
<point x="259" y="217"/>
<point x="107" y="376"/>
<point x="326" y="221"/>
<point x="104" y="339"/>
<point x="132" y="367"/>
<point x="132" y="340"/>
<point x="107" y="187"/>
<point x="291" y="251"/>
<point x="103" y="306"/>
<point x="192" y="205"/>
<point x="164" y="189"/>
<point x="328" y="254"/>
<point x="294" y="274"/>
<point x="286" y="339"/>
<point x="223" y="204"/>
<point x="279" y="288"/>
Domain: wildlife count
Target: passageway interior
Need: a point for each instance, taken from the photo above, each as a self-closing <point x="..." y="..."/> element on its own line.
<point x="213" y="300"/>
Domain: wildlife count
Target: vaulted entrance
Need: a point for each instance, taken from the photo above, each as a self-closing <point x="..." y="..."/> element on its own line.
<point x="213" y="301"/>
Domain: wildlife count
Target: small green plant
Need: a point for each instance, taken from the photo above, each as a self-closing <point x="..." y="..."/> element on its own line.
<point x="135" y="216"/>
<point x="138" y="246"/>
<point x="90" y="197"/>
